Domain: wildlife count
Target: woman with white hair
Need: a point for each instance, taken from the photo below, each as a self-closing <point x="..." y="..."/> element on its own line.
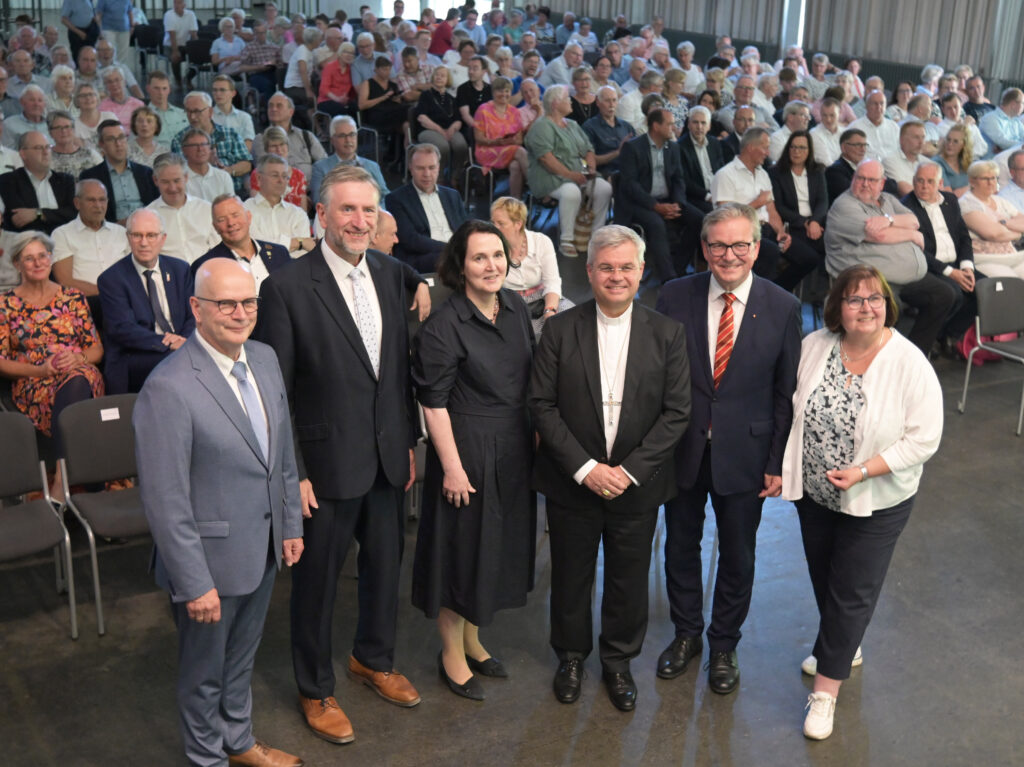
<point x="994" y="223"/>
<point x="62" y="91"/>
<point x="694" y="75"/>
<point x="815" y="82"/>
<point x="226" y="50"/>
<point x="562" y="163"/>
<point x="297" y="82"/>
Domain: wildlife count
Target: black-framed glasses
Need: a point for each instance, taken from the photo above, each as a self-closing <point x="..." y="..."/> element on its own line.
<point x="875" y="301"/>
<point x="717" y="249"/>
<point x="228" y="305"/>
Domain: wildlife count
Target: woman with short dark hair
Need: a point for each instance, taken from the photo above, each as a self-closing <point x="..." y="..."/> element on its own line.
<point x="867" y="414"/>
<point x="471" y="366"/>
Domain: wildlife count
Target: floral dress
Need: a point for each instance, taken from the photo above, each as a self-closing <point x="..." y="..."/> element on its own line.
<point x="75" y="162"/>
<point x="298" y="187"/>
<point x="33" y="333"/>
<point x="830" y="418"/>
<point x="494" y="127"/>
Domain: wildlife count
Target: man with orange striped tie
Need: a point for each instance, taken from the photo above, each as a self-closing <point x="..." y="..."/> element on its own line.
<point x="743" y="341"/>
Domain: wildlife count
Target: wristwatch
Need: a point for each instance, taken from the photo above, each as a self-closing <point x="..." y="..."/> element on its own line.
<point x="892" y="221"/>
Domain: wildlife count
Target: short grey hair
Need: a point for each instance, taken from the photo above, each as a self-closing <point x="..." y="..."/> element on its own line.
<point x="929" y="164"/>
<point x="143" y="211"/>
<point x="275" y="134"/>
<point x="24" y="138"/>
<point x="931" y="72"/>
<point x="167" y="159"/>
<point x="753" y="134"/>
<point x="702" y="110"/>
<point x="363" y="37"/>
<point x="113" y="72"/>
<point x="346" y="174"/>
<point x="793" y="107"/>
<point x="224" y="22"/>
<point x="310" y="35"/>
<point x="978" y="167"/>
<point x="61" y="70"/>
<point x="206" y="97"/>
<point x="551" y="95"/>
<point x="60" y="114"/>
<point x="820" y="58"/>
<point x="576" y="46"/>
<point x="27" y="238"/>
<point x="687" y="46"/>
<point x="81" y="185"/>
<point x="422" y="147"/>
<point x="343" y="120"/>
<point x="269" y="158"/>
<point x="32" y="88"/>
<point x="651" y="79"/>
<point x="729" y="211"/>
<point x="611" y="236"/>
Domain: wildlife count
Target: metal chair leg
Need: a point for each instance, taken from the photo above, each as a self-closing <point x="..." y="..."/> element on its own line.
<point x="1020" y="414"/>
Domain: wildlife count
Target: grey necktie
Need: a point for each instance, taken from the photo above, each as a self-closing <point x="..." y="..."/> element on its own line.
<point x="364" y="319"/>
<point x="252" y="406"/>
<point x="159" y="320"/>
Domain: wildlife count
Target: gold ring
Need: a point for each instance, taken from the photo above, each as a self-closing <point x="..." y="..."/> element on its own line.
<point x="605" y="492"/>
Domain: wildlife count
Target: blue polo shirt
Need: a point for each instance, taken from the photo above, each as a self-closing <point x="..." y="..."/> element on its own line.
<point x="114" y="14"/>
<point x="78" y="12"/>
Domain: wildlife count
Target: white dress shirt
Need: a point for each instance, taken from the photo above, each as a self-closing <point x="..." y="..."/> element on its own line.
<point x="209" y="186"/>
<point x="161" y="294"/>
<point x="612" y="358"/>
<point x="735" y="182"/>
<point x="705" y="164"/>
<point x="225" y="365"/>
<point x="256" y="267"/>
<point x="341" y="269"/>
<point x="439" y="228"/>
<point x="826" y="144"/>
<point x="715" y="306"/>
<point x="277" y="223"/>
<point x="93" y="251"/>
<point x="945" y="250"/>
<point x="883" y="140"/>
<point x="190" y="231"/>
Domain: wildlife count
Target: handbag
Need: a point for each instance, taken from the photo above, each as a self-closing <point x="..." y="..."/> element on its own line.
<point x="970" y="340"/>
<point x="584" y="219"/>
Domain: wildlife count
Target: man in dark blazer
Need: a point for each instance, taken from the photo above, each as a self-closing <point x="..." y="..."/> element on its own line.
<point x="23" y="210"/>
<point x="232" y="221"/>
<point x="743" y="119"/>
<point x="741" y="416"/>
<point x="145" y="300"/>
<point x="853" y="144"/>
<point x="113" y="142"/>
<point x="658" y="203"/>
<point x="610" y="397"/>
<point x="954" y="260"/>
<point x="220" y="490"/>
<point x="696" y="140"/>
<point x="337" y="319"/>
<point x="419" y="241"/>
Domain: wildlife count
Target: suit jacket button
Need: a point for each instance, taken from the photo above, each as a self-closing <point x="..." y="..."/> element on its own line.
<point x="267" y="515"/>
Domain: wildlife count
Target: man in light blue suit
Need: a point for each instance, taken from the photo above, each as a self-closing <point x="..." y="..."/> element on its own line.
<point x="345" y="140"/>
<point x="220" y="489"/>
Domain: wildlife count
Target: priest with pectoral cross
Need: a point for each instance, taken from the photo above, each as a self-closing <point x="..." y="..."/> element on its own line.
<point x="610" y="397"/>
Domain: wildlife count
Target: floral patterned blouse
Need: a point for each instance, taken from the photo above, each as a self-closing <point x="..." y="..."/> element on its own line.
<point x="32" y="333"/>
<point x="830" y="418"/>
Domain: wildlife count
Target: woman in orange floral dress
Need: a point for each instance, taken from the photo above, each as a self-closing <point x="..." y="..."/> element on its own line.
<point x="499" y="136"/>
<point x="48" y="343"/>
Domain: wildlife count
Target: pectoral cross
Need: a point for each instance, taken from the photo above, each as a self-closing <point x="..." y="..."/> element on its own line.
<point x="611" y="403"/>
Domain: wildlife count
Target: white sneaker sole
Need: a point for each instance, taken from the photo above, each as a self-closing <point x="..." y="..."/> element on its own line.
<point x="809" y="665"/>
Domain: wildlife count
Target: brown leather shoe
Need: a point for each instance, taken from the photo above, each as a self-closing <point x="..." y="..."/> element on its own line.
<point x="326" y="719"/>
<point x="262" y="755"/>
<point x="390" y="685"/>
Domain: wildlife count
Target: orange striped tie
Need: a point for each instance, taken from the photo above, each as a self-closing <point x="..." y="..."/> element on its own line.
<point x="723" y="345"/>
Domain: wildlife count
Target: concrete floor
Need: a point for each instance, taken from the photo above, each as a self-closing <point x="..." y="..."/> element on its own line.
<point x="940" y="684"/>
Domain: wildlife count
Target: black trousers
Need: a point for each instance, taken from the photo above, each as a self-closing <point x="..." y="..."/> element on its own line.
<point x="671" y="243"/>
<point x="375" y="519"/>
<point x="847" y="558"/>
<point x="936" y="300"/>
<point x="737" y="517"/>
<point x="575" y="537"/>
<point x="76" y="43"/>
<point x="962" y="317"/>
<point x="803" y="257"/>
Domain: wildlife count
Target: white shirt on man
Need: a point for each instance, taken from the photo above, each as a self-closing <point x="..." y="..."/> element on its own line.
<point x="826" y="144"/>
<point x="945" y="250"/>
<point x="439" y="227"/>
<point x="734" y="182"/>
<point x="278" y="223"/>
<point x="158" y="281"/>
<point x="93" y="250"/>
<point x="341" y="269"/>
<point x="225" y="365"/>
<point x="883" y="140"/>
<point x="190" y="231"/>
<point x="209" y="186"/>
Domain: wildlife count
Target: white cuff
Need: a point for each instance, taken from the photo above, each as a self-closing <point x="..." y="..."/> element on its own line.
<point x="583" y="471"/>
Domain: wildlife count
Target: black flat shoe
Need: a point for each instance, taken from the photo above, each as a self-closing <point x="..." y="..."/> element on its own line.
<point x="621" y="689"/>
<point x="569" y="680"/>
<point x="490" y="667"/>
<point x="677" y="656"/>
<point x="723" y="672"/>
<point x="471" y="689"/>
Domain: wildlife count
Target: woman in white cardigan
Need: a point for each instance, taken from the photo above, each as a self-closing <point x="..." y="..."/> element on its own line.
<point x="867" y="414"/>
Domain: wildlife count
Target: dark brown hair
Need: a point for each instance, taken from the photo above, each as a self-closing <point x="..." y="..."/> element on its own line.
<point x="848" y="281"/>
<point x="451" y="265"/>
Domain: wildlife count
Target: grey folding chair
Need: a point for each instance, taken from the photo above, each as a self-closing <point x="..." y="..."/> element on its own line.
<point x="99" y="446"/>
<point x="29" y="527"/>
<point x="1000" y="311"/>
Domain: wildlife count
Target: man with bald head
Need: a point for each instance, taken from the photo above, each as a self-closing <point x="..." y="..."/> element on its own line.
<point x="33" y="196"/>
<point x="882" y="134"/>
<point x="743" y="96"/>
<point x="869" y="226"/>
<point x="84" y="247"/>
<point x="386" y="236"/>
<point x="217" y="409"/>
<point x="145" y="300"/>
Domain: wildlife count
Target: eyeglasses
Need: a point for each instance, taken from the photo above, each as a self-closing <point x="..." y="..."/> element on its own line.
<point x="856" y="145"/>
<point x="866" y="180"/>
<point x="41" y="148"/>
<point x="196" y="146"/>
<point x="40" y="259"/>
<point x="116" y="139"/>
<point x="875" y="300"/>
<point x="345" y="136"/>
<point x="717" y="249"/>
<point x="608" y="269"/>
<point x="196" y="111"/>
<point x="147" y="236"/>
<point x="228" y="306"/>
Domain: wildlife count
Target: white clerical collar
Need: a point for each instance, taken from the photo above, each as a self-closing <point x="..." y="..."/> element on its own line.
<point x="622" y="319"/>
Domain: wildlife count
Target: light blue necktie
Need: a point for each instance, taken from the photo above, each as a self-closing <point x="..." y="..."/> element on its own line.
<point x="252" y="407"/>
<point x="364" y="319"/>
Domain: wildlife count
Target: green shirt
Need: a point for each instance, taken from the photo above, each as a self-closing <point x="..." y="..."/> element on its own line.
<point x="569" y="145"/>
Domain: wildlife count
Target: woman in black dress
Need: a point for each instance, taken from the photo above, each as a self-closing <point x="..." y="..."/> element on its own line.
<point x="380" y="105"/>
<point x="471" y="366"/>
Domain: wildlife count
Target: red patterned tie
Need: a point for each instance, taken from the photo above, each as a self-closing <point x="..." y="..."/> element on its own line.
<point x="723" y="346"/>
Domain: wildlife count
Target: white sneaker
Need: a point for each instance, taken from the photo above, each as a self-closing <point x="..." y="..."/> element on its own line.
<point x="821" y="707"/>
<point x="810" y="664"/>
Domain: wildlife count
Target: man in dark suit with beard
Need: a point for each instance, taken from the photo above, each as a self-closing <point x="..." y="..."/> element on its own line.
<point x="610" y="397"/>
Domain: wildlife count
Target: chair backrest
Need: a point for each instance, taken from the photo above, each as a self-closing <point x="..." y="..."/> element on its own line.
<point x="99" y="443"/>
<point x="148" y="37"/>
<point x="198" y="51"/>
<point x="1000" y="305"/>
<point x="19" y="458"/>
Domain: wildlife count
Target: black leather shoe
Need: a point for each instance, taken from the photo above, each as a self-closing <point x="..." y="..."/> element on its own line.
<point x="677" y="656"/>
<point x="471" y="689"/>
<point x="490" y="667"/>
<point x="569" y="680"/>
<point x="621" y="689"/>
<point x="723" y="672"/>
